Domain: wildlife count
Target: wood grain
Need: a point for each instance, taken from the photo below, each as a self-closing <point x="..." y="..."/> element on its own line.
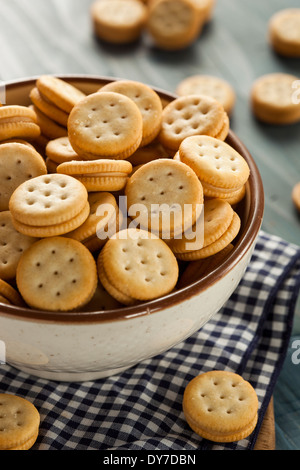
<point x="267" y="439"/>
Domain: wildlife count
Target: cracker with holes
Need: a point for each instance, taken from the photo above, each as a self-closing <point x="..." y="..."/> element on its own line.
<point x="192" y="115"/>
<point x="272" y="99"/>
<point x="19" y="423"/>
<point x="220" y="227"/>
<point x="49" y="205"/>
<point x="105" y="125"/>
<point x="18" y="163"/>
<point x="102" y="222"/>
<point x="148" y="102"/>
<point x="222" y="170"/>
<point x="57" y="274"/>
<point x="12" y="245"/>
<point x="135" y="265"/>
<point x="164" y="196"/>
<point x="284" y="32"/>
<point x="98" y="175"/>
<point x="18" y="122"/>
<point x="174" y="24"/>
<point x="217" y="88"/>
<point x="220" y="406"/>
<point x="118" y="21"/>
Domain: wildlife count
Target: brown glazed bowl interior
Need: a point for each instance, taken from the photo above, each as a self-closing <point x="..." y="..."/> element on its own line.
<point x="251" y="212"/>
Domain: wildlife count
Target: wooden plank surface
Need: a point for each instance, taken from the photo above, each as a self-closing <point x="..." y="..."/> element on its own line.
<point x="267" y="439"/>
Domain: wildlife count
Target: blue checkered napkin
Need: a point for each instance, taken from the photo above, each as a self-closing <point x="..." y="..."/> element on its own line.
<point x="141" y="409"/>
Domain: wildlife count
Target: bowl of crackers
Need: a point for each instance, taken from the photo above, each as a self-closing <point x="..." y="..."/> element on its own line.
<point x="128" y="216"/>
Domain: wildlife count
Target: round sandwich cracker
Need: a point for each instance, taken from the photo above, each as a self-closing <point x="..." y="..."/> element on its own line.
<point x="57" y="274"/>
<point x="18" y="122"/>
<point x="174" y="24"/>
<point x="148" y="102"/>
<point x="220" y="406"/>
<point x="138" y="265"/>
<point x="98" y="175"/>
<point x="53" y="230"/>
<point x="165" y="196"/>
<point x="19" y="423"/>
<point x="105" y="125"/>
<point x="188" y="116"/>
<point x="215" y="162"/>
<point x="272" y="99"/>
<point x="118" y="21"/>
<point x="48" y="200"/>
<point x="284" y="32"/>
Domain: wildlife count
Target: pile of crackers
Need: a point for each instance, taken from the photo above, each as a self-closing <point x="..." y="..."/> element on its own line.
<point x="81" y="175"/>
<point x="171" y="24"/>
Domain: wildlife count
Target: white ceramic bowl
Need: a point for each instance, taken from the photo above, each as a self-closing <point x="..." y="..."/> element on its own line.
<point x="91" y="345"/>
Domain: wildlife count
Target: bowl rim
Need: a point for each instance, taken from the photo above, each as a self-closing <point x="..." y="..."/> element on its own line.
<point x="244" y="244"/>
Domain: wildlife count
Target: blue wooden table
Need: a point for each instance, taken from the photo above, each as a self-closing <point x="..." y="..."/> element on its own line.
<point x="55" y="36"/>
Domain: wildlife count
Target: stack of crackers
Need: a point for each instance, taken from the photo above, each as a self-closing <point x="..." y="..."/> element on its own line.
<point x="133" y="192"/>
<point x="171" y="24"/>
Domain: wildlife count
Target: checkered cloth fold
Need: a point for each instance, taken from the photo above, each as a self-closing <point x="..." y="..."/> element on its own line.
<point x="141" y="409"/>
